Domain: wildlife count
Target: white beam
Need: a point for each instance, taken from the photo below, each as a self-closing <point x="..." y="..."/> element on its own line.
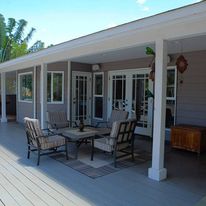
<point x="69" y="91"/>
<point x="43" y="93"/>
<point x="3" y="97"/>
<point x="157" y="171"/>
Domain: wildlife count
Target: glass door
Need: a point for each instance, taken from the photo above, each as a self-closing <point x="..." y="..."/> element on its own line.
<point x="142" y="103"/>
<point x="128" y="90"/>
<point x="81" y="97"/>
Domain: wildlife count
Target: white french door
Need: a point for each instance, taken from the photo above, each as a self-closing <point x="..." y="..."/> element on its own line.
<point x="81" y="97"/>
<point x="128" y="90"/>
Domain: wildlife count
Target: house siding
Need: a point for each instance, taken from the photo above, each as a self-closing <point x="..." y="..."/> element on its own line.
<point x="191" y="96"/>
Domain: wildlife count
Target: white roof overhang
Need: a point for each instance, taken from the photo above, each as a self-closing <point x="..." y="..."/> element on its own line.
<point x="184" y="22"/>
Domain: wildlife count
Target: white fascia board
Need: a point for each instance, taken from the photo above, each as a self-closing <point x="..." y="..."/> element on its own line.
<point x="168" y="25"/>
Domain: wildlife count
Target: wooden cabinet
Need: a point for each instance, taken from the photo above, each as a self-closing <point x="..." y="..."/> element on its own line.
<point x="187" y="137"/>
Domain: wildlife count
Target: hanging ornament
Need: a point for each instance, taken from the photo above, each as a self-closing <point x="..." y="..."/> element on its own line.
<point x="181" y="64"/>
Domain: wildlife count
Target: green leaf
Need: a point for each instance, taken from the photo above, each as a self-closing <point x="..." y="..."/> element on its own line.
<point x="149" y="51"/>
<point x="149" y="94"/>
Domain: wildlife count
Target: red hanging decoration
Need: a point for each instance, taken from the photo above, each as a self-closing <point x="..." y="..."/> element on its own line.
<point x="181" y="64"/>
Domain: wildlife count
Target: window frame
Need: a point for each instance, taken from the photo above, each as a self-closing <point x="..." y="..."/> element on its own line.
<point x="175" y="94"/>
<point x="19" y="84"/>
<point x="98" y="95"/>
<point x="52" y="87"/>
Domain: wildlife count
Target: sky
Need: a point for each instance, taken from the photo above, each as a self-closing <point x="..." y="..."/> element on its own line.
<point x="58" y="21"/>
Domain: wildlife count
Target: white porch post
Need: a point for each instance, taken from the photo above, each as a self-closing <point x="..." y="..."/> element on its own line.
<point x="43" y="93"/>
<point x="3" y="97"/>
<point x="157" y="171"/>
<point x="69" y="91"/>
<point x="34" y="93"/>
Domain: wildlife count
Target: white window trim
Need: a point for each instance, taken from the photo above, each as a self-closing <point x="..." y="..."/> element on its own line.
<point x="19" y="95"/>
<point x="175" y="95"/>
<point x="56" y="72"/>
<point x="97" y="95"/>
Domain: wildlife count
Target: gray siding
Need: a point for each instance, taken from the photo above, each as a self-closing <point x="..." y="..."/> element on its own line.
<point x="81" y="67"/>
<point x="191" y="96"/>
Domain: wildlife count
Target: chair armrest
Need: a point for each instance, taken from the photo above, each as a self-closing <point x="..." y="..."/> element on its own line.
<point x="103" y="122"/>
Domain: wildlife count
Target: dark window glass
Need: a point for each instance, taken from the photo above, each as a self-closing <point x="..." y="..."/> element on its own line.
<point x="98" y="107"/>
<point x="26" y="87"/>
<point x="57" y="87"/>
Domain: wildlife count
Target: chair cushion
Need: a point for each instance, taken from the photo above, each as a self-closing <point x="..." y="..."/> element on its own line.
<point x="53" y="141"/>
<point x="118" y="115"/>
<point x="34" y="126"/>
<point x="57" y="119"/>
<point x="115" y="129"/>
<point x="102" y="144"/>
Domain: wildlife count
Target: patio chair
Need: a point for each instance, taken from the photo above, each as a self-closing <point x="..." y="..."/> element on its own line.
<point x="58" y="120"/>
<point x="121" y="139"/>
<point x="44" y="142"/>
<point x="116" y="115"/>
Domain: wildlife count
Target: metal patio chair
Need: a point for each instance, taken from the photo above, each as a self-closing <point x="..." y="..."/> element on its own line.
<point x="116" y="115"/>
<point x="58" y="120"/>
<point x="121" y="139"/>
<point x="44" y="142"/>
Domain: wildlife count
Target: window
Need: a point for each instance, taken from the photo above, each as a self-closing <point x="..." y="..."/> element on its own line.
<point x="171" y="97"/>
<point x="25" y="87"/>
<point x="55" y="87"/>
<point x="98" y="95"/>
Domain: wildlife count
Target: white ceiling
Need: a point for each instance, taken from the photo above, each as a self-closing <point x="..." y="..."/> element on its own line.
<point x="176" y="46"/>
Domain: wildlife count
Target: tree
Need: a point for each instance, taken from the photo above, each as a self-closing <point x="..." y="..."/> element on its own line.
<point x="38" y="45"/>
<point x="13" y="42"/>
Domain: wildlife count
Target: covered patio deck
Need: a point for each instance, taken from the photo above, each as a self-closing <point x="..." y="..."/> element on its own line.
<point x="52" y="183"/>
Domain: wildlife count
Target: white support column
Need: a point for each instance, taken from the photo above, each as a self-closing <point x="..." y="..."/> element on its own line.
<point x="43" y="94"/>
<point x="157" y="171"/>
<point x="3" y="97"/>
<point x="69" y="79"/>
<point x="34" y="93"/>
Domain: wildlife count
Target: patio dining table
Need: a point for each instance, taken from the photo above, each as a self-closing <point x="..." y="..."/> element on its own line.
<point x="74" y="135"/>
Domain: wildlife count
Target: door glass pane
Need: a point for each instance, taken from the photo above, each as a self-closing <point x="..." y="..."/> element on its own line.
<point x="80" y="101"/>
<point x="81" y="97"/>
<point x="119" y="92"/>
<point x="85" y="98"/>
<point x="140" y="99"/>
<point x="49" y="87"/>
<point x="170" y="113"/>
<point x="171" y="83"/>
<point x="98" y="107"/>
<point x="76" y="99"/>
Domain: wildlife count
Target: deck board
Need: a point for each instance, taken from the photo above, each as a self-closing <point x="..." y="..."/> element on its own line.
<point x="45" y="190"/>
<point x="23" y="185"/>
<point x="6" y="197"/>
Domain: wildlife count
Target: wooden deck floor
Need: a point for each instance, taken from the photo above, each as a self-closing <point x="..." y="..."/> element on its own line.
<point x="21" y="186"/>
<point x="52" y="183"/>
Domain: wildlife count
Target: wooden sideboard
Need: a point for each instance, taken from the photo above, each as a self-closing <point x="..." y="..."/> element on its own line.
<point x="188" y="137"/>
